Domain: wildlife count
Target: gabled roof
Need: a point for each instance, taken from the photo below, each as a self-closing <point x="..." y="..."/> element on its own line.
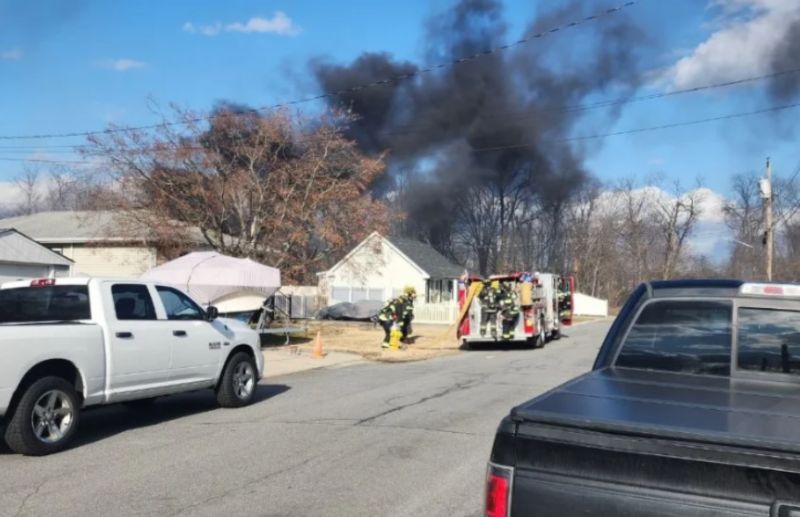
<point x="427" y="258"/>
<point x="18" y="248"/>
<point x="422" y="256"/>
<point x="81" y="227"/>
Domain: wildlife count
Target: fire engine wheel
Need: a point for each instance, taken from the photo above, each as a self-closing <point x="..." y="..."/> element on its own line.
<point x="556" y="334"/>
<point x="541" y="338"/>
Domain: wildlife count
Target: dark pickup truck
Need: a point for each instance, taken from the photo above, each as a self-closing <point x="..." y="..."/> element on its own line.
<point x="692" y="408"/>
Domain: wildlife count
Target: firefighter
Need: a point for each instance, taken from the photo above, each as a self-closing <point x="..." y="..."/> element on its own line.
<point x="490" y="303"/>
<point x="564" y="299"/>
<point x="509" y="310"/>
<point x="387" y="318"/>
<point x="407" y="312"/>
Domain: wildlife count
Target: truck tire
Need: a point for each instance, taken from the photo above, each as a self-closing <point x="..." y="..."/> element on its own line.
<point x="237" y="387"/>
<point x="46" y="418"/>
<point x="556" y="334"/>
<point x="541" y="337"/>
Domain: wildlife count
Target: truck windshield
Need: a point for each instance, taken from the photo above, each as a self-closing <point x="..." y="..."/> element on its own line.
<point x="680" y="336"/>
<point x="39" y="304"/>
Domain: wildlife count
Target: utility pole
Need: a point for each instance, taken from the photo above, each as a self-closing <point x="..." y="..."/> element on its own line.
<point x="769" y="230"/>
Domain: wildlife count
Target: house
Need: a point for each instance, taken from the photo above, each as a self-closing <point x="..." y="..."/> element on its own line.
<point x="379" y="267"/>
<point x="22" y="257"/>
<point x="94" y="241"/>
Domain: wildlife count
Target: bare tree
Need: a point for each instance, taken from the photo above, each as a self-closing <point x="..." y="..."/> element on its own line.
<point x="676" y="217"/>
<point x="743" y="216"/>
<point x="29" y="188"/>
<point x="287" y="191"/>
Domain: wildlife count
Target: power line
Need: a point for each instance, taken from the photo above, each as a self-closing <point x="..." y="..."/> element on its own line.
<point x="628" y="100"/>
<point x="581" y="107"/>
<point x="43" y="160"/>
<point x="648" y="129"/>
<point x="381" y="82"/>
<point x="771" y="109"/>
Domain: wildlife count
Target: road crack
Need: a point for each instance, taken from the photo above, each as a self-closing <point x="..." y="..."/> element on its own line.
<point x="244" y="486"/>
<point x="462" y="385"/>
<point x="28" y="497"/>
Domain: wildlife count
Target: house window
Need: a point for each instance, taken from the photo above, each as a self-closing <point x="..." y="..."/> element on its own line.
<point x="357" y="294"/>
<point x="340" y="294"/>
<point x="438" y="291"/>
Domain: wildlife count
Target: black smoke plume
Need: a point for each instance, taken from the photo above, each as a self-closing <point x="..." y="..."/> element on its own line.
<point x="787" y="57"/>
<point x="497" y="123"/>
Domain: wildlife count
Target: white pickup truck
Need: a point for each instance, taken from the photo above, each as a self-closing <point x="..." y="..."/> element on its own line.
<point x="70" y="343"/>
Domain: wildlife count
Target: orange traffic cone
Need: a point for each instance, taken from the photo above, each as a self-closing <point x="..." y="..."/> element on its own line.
<point x="316" y="352"/>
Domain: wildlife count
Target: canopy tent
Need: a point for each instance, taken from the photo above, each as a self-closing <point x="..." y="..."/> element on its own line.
<point x="209" y="276"/>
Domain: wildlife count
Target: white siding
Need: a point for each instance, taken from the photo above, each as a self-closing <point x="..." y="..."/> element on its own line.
<point x="113" y="261"/>
<point x="375" y="271"/>
<point x="585" y="305"/>
<point x="10" y="272"/>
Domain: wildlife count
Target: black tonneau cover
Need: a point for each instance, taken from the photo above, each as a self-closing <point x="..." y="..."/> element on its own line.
<point x="762" y="415"/>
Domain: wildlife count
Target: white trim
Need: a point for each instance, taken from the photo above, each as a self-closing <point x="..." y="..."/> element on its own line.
<point x="424" y="273"/>
<point x="384" y="240"/>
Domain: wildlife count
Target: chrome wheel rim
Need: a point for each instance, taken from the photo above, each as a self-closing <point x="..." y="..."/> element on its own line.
<point x="52" y="416"/>
<point x="244" y="380"/>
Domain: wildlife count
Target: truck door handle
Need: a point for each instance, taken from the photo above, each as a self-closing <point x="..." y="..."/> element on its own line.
<point x="124" y="335"/>
<point x="179" y="333"/>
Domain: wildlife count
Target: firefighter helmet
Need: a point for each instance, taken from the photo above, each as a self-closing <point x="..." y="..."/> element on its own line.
<point x="495" y="284"/>
<point x="409" y="291"/>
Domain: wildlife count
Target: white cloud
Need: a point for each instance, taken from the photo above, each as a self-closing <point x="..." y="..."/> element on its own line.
<point x="743" y="39"/>
<point x="280" y="24"/>
<point x="205" y="30"/>
<point x="121" y="65"/>
<point x="710" y="235"/>
<point x="13" y="54"/>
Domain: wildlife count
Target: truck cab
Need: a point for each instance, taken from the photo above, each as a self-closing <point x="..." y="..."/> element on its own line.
<point x="691" y="409"/>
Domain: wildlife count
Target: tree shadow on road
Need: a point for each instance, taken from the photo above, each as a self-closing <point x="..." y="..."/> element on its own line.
<point x="103" y="422"/>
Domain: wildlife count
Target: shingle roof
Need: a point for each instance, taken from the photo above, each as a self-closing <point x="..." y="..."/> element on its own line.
<point x="78" y="226"/>
<point x="17" y="248"/>
<point x="427" y="258"/>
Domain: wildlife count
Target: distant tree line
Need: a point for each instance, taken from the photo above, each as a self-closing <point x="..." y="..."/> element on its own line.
<point x="294" y="192"/>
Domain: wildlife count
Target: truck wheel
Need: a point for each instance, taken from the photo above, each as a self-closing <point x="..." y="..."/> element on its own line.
<point x="45" y="419"/>
<point x="541" y="338"/>
<point x="237" y="387"/>
<point x="556" y="334"/>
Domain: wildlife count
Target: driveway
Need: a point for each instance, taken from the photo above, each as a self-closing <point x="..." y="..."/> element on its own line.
<point x="367" y="439"/>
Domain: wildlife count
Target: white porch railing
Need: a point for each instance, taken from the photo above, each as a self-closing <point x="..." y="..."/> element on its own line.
<point x="443" y="313"/>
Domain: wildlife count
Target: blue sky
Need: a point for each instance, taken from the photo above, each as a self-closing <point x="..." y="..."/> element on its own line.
<point x="78" y="65"/>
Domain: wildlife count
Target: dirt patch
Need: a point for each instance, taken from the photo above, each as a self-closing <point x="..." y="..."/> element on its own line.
<point x="365" y="339"/>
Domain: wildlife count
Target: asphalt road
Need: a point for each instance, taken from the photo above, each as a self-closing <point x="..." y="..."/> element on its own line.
<point x="370" y="439"/>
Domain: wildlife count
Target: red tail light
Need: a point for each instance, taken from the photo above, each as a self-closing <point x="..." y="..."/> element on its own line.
<point x="498" y="490"/>
<point x="43" y="282"/>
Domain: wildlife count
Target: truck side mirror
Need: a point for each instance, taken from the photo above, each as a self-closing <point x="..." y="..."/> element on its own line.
<point x="211" y="313"/>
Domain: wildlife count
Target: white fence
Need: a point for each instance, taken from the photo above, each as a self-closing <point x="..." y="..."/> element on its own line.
<point x="442" y="313"/>
<point x="297" y="307"/>
<point x="585" y="305"/>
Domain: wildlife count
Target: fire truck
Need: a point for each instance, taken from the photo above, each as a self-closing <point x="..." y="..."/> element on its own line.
<point x="543" y="303"/>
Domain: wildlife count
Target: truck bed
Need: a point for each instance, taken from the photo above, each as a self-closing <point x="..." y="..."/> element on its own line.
<point x="761" y="415"/>
<point x="628" y="442"/>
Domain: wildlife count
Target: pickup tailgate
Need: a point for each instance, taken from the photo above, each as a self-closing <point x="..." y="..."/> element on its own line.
<point x="627" y="442"/>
